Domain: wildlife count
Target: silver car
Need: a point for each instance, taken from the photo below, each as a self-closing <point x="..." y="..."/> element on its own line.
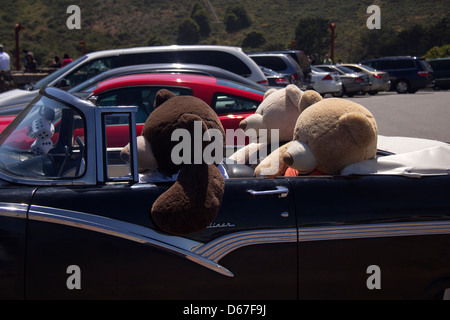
<point x="352" y="82"/>
<point x="281" y="63"/>
<point x="323" y="82"/>
<point x="379" y="79"/>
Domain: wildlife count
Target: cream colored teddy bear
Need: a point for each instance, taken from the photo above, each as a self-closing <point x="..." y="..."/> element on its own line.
<point x="274" y="120"/>
<point x="328" y="136"/>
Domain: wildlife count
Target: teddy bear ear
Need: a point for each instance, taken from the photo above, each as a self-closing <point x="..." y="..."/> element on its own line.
<point x="308" y="98"/>
<point x="269" y="92"/>
<point x="162" y="96"/>
<point x="362" y="128"/>
<point x="293" y="95"/>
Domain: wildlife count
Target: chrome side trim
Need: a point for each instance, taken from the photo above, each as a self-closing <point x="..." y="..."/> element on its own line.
<point x="178" y="245"/>
<point x="13" y="210"/>
<point x="209" y="254"/>
<point x="374" y="230"/>
<point x="220" y="247"/>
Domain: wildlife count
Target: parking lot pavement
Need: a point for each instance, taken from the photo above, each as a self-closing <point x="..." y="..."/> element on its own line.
<point x="425" y="114"/>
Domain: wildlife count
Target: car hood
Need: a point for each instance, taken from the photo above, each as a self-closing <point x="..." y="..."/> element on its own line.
<point x="13" y="101"/>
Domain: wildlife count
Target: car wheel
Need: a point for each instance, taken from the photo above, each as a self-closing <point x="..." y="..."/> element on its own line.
<point x="341" y="93"/>
<point x="338" y="94"/>
<point x="402" y="86"/>
<point x="372" y="92"/>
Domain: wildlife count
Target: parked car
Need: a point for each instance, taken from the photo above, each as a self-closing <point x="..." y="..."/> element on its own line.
<point x="379" y="79"/>
<point x="176" y="68"/>
<point x="441" y="72"/>
<point x="74" y="224"/>
<point x="298" y="55"/>
<point x="324" y="82"/>
<point x="277" y="79"/>
<point x="352" y="82"/>
<point x="281" y="63"/>
<point x="232" y="101"/>
<point x="407" y="74"/>
<point x="232" y="59"/>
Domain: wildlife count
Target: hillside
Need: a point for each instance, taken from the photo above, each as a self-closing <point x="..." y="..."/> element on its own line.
<point x="109" y="24"/>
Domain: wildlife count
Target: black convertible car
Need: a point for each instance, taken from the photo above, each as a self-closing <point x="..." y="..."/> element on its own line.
<point x="75" y="224"/>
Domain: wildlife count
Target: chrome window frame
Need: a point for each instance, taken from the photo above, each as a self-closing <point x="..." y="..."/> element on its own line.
<point x="94" y="170"/>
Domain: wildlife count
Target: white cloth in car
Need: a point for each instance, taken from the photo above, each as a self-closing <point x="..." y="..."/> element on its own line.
<point x="427" y="162"/>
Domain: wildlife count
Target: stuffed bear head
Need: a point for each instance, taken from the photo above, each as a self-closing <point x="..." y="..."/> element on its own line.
<point x="276" y="114"/>
<point x="193" y="201"/>
<point x="273" y="165"/>
<point x="279" y="110"/>
<point x="331" y="134"/>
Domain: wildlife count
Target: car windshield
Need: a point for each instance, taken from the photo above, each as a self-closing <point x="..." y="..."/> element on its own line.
<point x="317" y="69"/>
<point x="46" y="80"/>
<point x="345" y="69"/>
<point x="235" y="85"/>
<point x="369" y="68"/>
<point x="46" y="141"/>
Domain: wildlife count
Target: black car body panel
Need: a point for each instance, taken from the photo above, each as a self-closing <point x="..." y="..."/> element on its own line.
<point x="89" y="235"/>
<point x="13" y="222"/>
<point x="441" y="72"/>
<point x="102" y="252"/>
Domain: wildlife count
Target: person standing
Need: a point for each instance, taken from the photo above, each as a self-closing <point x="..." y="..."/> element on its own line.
<point x="4" y="59"/>
<point x="66" y="60"/>
<point x="31" y="65"/>
<point x="327" y="60"/>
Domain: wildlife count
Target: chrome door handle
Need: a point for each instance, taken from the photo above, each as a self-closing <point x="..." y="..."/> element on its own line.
<point x="280" y="191"/>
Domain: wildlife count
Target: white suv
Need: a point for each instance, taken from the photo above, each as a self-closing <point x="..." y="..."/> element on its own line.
<point x="228" y="58"/>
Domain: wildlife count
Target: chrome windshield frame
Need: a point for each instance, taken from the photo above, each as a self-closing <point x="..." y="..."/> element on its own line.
<point x="87" y="110"/>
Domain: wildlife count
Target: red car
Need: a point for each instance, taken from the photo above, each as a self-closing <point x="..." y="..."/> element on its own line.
<point x="231" y="101"/>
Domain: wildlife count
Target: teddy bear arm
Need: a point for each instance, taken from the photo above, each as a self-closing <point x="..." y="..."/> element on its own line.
<point x="273" y="165"/>
<point x="247" y="154"/>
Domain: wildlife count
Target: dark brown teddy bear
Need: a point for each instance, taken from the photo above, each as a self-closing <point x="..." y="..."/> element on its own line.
<point x="193" y="201"/>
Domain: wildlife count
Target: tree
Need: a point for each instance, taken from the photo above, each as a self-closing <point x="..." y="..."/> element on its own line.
<point x="438" y="52"/>
<point x="312" y="35"/>
<point x="199" y="15"/>
<point x="377" y="43"/>
<point x="188" y="32"/>
<point x="236" y="18"/>
<point x="412" y="41"/>
<point x="253" y="40"/>
<point x="439" y="33"/>
<point x="154" y="40"/>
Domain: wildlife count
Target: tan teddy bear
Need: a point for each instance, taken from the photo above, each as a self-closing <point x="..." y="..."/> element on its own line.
<point x="277" y="113"/>
<point x="328" y="136"/>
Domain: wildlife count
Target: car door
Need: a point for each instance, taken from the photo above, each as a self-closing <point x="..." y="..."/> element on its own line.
<point x="100" y="242"/>
<point x="372" y="237"/>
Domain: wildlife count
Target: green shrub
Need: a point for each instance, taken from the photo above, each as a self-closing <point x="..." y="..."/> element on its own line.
<point x="438" y="52"/>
